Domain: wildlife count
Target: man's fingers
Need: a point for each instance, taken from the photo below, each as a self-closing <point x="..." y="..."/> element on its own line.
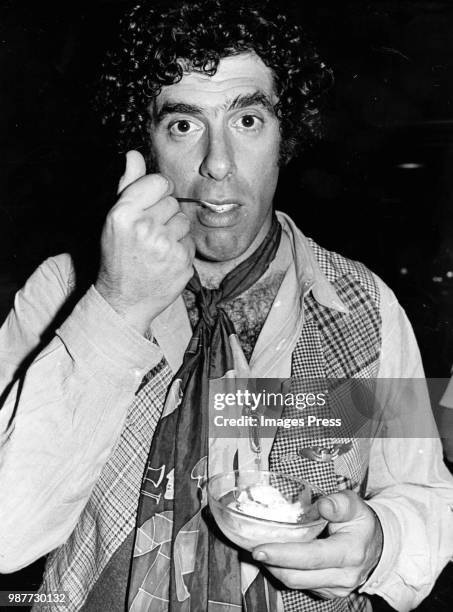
<point x="189" y="245"/>
<point x="340" y="507"/>
<point x="179" y="226"/>
<point x="145" y="192"/>
<point x="135" y="169"/>
<point x="164" y="210"/>
<point x="315" y="579"/>
<point x="333" y="551"/>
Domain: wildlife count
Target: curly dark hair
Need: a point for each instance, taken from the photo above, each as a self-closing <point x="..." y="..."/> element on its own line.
<point x="156" y="35"/>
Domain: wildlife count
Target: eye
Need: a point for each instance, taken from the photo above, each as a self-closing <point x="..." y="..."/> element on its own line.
<point x="249" y="123"/>
<point x="181" y="127"/>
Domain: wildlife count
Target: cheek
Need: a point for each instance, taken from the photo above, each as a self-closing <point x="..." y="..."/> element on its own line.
<point x="177" y="166"/>
<point x="265" y="176"/>
<point x="170" y="160"/>
<point x="264" y="160"/>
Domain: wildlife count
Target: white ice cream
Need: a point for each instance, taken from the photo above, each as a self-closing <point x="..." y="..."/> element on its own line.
<point x="264" y="501"/>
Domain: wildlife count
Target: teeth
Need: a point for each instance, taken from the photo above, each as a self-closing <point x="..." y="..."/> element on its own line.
<point x="218" y="208"/>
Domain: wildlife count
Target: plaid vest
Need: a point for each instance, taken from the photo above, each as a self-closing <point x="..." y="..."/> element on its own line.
<point x="332" y="345"/>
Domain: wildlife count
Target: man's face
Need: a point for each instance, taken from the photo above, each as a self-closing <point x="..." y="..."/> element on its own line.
<point x="218" y="139"/>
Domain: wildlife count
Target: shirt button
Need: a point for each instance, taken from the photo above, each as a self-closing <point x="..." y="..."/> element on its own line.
<point x="137" y="373"/>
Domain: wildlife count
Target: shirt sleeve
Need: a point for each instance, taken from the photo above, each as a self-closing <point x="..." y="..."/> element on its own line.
<point x="447" y="398"/>
<point x="61" y="419"/>
<point x="409" y="487"/>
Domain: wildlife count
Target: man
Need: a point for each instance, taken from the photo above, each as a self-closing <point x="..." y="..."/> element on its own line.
<point x="93" y="461"/>
<point x="445" y="421"/>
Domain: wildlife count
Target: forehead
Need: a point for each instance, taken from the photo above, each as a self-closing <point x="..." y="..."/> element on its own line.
<point x="235" y="75"/>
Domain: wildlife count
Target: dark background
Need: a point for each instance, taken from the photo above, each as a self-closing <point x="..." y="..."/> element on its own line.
<point x="378" y="188"/>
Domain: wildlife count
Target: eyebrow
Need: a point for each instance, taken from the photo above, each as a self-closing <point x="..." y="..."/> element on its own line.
<point x="242" y="101"/>
<point x="257" y="98"/>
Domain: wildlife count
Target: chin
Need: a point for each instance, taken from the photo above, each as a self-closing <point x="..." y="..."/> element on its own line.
<point x="214" y="248"/>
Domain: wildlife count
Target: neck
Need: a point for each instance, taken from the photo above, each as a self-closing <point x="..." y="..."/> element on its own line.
<point x="212" y="273"/>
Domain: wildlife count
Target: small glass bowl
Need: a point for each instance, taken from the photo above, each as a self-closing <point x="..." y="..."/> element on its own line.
<point x="248" y="530"/>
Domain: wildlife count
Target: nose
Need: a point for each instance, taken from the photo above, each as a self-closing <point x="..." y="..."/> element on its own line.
<point x="218" y="163"/>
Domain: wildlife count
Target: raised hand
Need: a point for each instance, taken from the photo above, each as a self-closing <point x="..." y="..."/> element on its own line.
<point x="146" y="248"/>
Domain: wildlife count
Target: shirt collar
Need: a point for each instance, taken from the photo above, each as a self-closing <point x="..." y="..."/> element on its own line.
<point x="308" y="272"/>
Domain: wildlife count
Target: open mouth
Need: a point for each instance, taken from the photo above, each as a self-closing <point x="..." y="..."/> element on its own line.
<point x="217" y="208"/>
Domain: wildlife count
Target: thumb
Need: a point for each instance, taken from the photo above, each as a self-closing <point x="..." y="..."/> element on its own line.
<point x="135" y="169"/>
<point x="340" y="507"/>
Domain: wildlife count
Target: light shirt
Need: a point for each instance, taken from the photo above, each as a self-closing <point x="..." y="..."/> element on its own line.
<point x="59" y="426"/>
